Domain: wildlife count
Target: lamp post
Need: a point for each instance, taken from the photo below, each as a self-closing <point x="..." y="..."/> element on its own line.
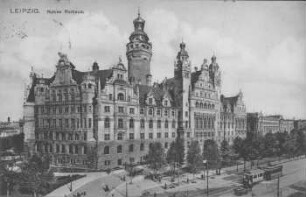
<point x="205" y="162"/>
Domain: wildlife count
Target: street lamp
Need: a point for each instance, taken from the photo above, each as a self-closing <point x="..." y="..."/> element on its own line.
<point x="206" y="162"/>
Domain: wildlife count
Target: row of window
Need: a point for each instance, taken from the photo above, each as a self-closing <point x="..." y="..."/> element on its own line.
<point x="158" y="112"/>
<point x="60" y="136"/>
<point x="64" y="123"/>
<point x="142" y="136"/>
<point x="71" y="149"/>
<point x="63" y="109"/>
<point x="131" y="148"/>
<point x="142" y="123"/>
<point x="204" y="123"/>
<point x="205" y="105"/>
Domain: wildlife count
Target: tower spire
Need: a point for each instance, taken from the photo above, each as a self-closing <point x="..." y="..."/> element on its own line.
<point x="138" y="11"/>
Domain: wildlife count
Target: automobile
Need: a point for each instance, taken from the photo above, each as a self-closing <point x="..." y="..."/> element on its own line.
<point x="240" y="191"/>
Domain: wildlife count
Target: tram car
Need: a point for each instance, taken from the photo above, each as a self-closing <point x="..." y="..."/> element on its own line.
<point x="252" y="177"/>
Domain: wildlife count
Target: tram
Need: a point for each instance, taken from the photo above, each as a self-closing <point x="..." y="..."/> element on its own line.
<point x="265" y="173"/>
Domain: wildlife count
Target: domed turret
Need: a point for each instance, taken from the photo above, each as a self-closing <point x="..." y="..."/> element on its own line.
<point x="139" y="52"/>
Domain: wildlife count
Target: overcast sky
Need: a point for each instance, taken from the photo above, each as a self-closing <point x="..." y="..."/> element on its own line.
<point x="260" y="46"/>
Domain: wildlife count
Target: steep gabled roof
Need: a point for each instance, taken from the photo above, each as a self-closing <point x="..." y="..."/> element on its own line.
<point x="103" y="75"/>
<point x="157" y="91"/>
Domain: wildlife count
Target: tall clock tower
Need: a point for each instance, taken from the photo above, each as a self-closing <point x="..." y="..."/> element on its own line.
<point x="139" y="53"/>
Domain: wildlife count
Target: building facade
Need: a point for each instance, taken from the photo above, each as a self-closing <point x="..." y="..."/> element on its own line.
<point x="286" y="125"/>
<point x="233" y="122"/>
<point x="107" y="118"/>
<point x="300" y="124"/>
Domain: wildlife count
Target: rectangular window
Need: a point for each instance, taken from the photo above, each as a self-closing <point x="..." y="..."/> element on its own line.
<point x="131" y="136"/>
<point x="132" y="110"/>
<point x="141" y="111"/>
<point x="72" y="109"/>
<point x="54" y="123"/>
<point x="166" y="135"/>
<point x="60" y="110"/>
<point x="106" y="137"/>
<point x="66" y="109"/>
<point x="66" y="123"/>
<point x="188" y="134"/>
<point x="78" y="123"/>
<point x="107" y="162"/>
<point x="72" y="123"/>
<point x="119" y="162"/>
<point x="158" y="135"/>
<point x="166" y="112"/>
<point x="186" y="113"/>
<point x="60" y="123"/>
<point x="120" y="123"/>
<point x="173" y="135"/>
<point x="110" y="97"/>
<point x="89" y="122"/>
<point x="85" y="123"/>
<point x="120" y="109"/>
<point x="142" y="136"/>
<point x="119" y="136"/>
<point x="158" y="112"/>
<point x="107" y="109"/>
<point x="150" y="135"/>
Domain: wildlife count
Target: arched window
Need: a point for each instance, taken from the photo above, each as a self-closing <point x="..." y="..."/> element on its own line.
<point x="120" y="97"/>
<point x="131" y="148"/>
<point x="173" y="123"/>
<point x="106" y="150"/>
<point x="166" y="124"/>
<point x="119" y="149"/>
<point x="205" y="106"/>
<point x="197" y="104"/>
<point x="201" y="105"/>
<point x="213" y="106"/>
<point x="89" y="86"/>
<point x="209" y="106"/>
<point x="106" y="123"/>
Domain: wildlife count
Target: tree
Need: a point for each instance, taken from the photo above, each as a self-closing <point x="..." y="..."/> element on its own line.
<point x="194" y="157"/>
<point x="269" y="145"/>
<point x="225" y="151"/>
<point x="237" y="145"/>
<point x="176" y="152"/>
<point x="156" y="156"/>
<point x="35" y="177"/>
<point x="18" y="143"/>
<point x="211" y="153"/>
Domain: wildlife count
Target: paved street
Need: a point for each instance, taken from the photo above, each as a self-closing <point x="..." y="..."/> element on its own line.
<point x="94" y="183"/>
<point x="293" y="172"/>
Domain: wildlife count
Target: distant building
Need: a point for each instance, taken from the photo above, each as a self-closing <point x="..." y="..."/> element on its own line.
<point x="10" y="128"/>
<point x="271" y="124"/>
<point x="300" y="124"/>
<point x="233" y="120"/>
<point x="286" y="125"/>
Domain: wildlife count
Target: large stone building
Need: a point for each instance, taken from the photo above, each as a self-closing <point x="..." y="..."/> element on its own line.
<point x="106" y="118"/>
<point x="233" y="120"/>
<point x="286" y="125"/>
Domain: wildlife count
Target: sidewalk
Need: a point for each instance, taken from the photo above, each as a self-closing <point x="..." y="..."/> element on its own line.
<point x="64" y="190"/>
